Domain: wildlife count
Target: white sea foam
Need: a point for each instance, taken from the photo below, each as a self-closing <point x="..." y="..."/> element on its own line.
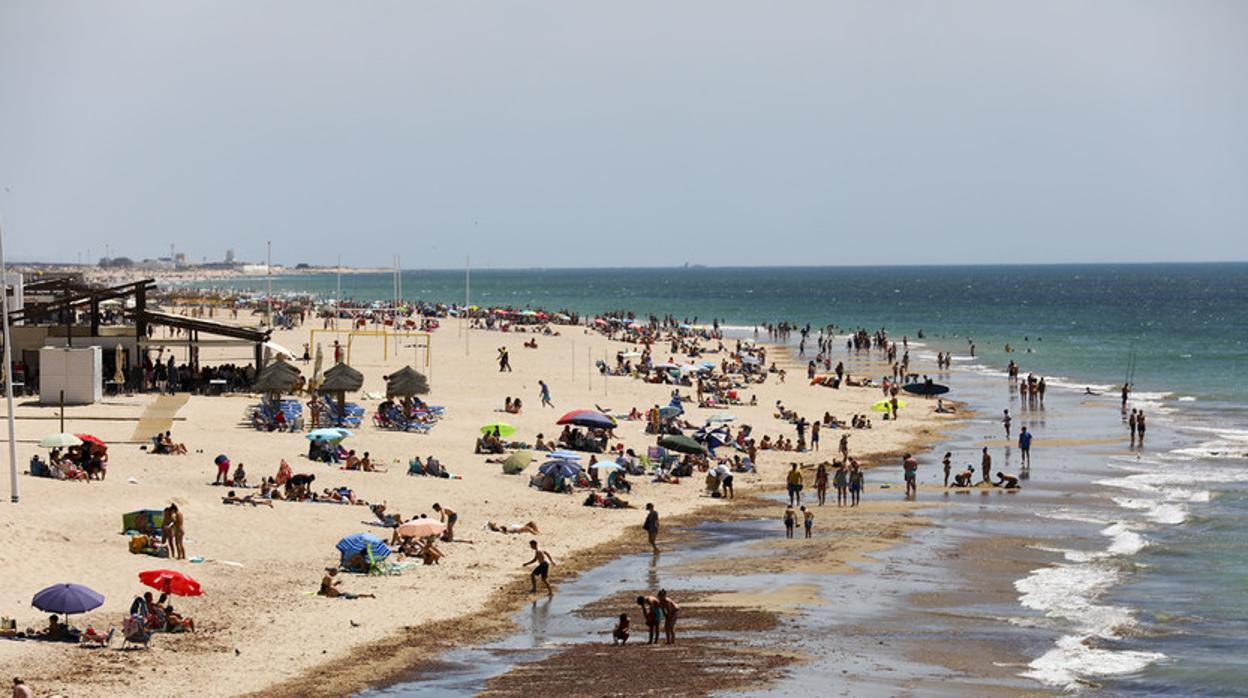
<point x="1072" y="658"/>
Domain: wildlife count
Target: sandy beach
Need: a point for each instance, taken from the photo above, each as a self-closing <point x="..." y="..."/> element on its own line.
<point x="259" y="621"/>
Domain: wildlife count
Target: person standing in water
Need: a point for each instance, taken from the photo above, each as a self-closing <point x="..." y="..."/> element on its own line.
<point x="910" y="467"/>
<point x="1133" y="424"/>
<point x="948" y="465"/>
<point x="795" y="485"/>
<point x="790" y="520"/>
<point x="808" y="520"/>
<point x="1024" y="445"/>
<point x="855" y="483"/>
<point x="1139" y="426"/>
<point x="651" y="526"/>
<point x="985" y="464"/>
<point x="821" y="483"/>
<point x="1005" y="422"/>
<point x="840" y="481"/>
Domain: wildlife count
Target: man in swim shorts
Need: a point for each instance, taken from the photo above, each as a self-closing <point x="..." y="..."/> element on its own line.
<point x="544" y="561"/>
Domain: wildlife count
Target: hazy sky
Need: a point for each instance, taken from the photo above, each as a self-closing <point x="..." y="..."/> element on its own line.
<point x="582" y="133"/>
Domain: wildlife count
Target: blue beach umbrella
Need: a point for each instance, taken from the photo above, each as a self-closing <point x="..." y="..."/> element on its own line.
<point x="67" y="598"/>
<point x="670" y="411"/>
<point x="565" y="455"/>
<point x="560" y="468"/>
<point x="607" y="466"/>
<point x="360" y="543"/>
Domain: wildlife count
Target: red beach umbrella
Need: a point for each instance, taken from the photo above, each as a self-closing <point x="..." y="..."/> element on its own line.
<point x="171" y="582"/>
<point x="92" y="439"/>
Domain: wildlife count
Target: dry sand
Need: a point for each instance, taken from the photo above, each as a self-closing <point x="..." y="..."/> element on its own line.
<point x="260" y="624"/>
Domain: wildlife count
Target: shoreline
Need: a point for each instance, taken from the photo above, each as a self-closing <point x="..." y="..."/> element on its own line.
<point x="415" y="650"/>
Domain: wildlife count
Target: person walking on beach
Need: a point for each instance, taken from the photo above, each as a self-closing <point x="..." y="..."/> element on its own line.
<point x="985" y="464"/>
<point x="808" y="520"/>
<point x="910" y="467"/>
<point x="844" y="447"/>
<point x="948" y="465"/>
<point x="544" y="562"/>
<point x="821" y="483"/>
<point x="855" y="483"/>
<point x="840" y="481"/>
<point x="1140" y="426"/>
<point x="795" y="486"/>
<point x="790" y="520"/>
<point x="814" y="436"/>
<point x="1133" y="424"/>
<point x="504" y="360"/>
<point x="1005" y="422"/>
<point x="1024" y="445"/>
<point x="651" y="526"/>
<point x="545" y="394"/>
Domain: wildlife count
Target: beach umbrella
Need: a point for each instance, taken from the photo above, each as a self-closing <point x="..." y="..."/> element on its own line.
<point x="340" y="380"/>
<point x="752" y="360"/>
<point x="328" y="434"/>
<point x="681" y="444"/>
<point x="671" y="411"/>
<point x="631" y="355"/>
<point x="277" y="377"/>
<point x="560" y="468"/>
<point x="362" y="543"/>
<point x="607" y="466"/>
<point x="925" y="388"/>
<point x="686" y="369"/>
<point x="887" y="406"/>
<point x="503" y="428"/>
<point x="712" y="438"/>
<point x="565" y="455"/>
<point x="587" y="418"/>
<point x="67" y="598"/>
<point x="61" y="440"/>
<point x="422" y="528"/>
<point x="722" y="418"/>
<point x="171" y="582"/>
<point x="278" y="350"/>
<point x="91" y="439"/>
<point x="406" y="382"/>
<point x="516" y="462"/>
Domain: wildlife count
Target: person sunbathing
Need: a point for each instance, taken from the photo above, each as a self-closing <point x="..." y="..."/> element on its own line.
<point x="387" y="520"/>
<point x="530" y="527"/>
<point x="169" y="446"/>
<point x="353" y="463"/>
<point x="231" y="498"/>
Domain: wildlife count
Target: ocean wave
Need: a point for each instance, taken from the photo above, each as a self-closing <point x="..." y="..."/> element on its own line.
<point x="1072" y="658"/>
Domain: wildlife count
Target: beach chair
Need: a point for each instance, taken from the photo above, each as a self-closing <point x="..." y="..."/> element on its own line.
<point x="96" y="639"/>
<point x="134" y="632"/>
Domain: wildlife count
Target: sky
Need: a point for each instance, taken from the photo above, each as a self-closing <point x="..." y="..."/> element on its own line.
<point x="583" y="134"/>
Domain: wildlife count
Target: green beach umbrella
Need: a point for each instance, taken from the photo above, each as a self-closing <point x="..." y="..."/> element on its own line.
<point x="61" y="440"/>
<point x="681" y="444"/>
<point x="504" y="429"/>
<point x="516" y="462"/>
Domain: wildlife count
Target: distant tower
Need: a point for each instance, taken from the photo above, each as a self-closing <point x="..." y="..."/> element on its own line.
<point x="229" y="256"/>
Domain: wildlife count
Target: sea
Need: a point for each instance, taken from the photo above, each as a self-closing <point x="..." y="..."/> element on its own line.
<point x="1137" y="575"/>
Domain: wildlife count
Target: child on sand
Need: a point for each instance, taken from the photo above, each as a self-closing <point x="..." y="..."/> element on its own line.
<point x="808" y="520"/>
<point x="790" y="519"/>
<point x="619" y="635"/>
